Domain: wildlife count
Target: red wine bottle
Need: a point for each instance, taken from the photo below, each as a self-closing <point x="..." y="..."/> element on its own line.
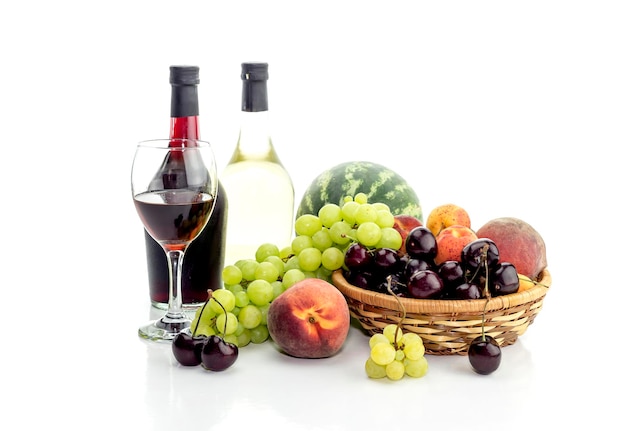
<point x="204" y="258"/>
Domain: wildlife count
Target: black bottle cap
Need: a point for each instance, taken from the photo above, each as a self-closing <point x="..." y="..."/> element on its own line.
<point x="254" y="72"/>
<point x="184" y="75"/>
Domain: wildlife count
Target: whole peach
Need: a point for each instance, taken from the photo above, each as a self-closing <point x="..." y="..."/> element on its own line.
<point x="450" y="242"/>
<point x="310" y="319"/>
<point x="519" y="243"/>
<point x="404" y="223"/>
<point x="447" y="215"/>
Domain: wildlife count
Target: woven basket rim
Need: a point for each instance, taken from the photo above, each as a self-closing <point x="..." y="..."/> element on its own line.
<point x="442" y="306"/>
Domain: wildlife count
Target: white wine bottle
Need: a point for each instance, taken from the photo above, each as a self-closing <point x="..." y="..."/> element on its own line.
<point x="259" y="188"/>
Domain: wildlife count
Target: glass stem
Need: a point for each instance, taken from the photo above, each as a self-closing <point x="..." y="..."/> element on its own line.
<point x="175" y="302"/>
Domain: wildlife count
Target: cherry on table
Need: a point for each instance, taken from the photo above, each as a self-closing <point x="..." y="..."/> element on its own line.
<point x="187" y="349"/>
<point x="484" y="354"/>
<point x="217" y="354"/>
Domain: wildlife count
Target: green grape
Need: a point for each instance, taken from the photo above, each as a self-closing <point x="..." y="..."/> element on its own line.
<point x="265" y="250"/>
<point x="206" y="316"/>
<point x="225" y="297"/>
<point x="332" y="258"/>
<point x="347" y="199"/>
<point x="416" y="368"/>
<point x="226" y="323"/>
<point x="409" y="338"/>
<point x="236" y="311"/>
<point x="248" y="267"/>
<point x="322" y="240"/>
<point x="241" y="299"/>
<point x="310" y="274"/>
<point x="301" y="242"/>
<point x="264" y="310"/>
<point x="340" y="232"/>
<point x="231" y="274"/>
<point x="414" y="350"/>
<point x="348" y="212"/>
<point x="384" y="218"/>
<point x="277" y="288"/>
<point x="259" y="334"/>
<point x="203" y="328"/>
<point x="366" y="213"/>
<point x="399" y="355"/>
<point x="285" y="253"/>
<point x="310" y="259"/>
<point x="389" y="238"/>
<point x="373" y="370"/>
<point x="393" y="333"/>
<point x="266" y="271"/>
<point x="250" y="316"/>
<point x="383" y="354"/>
<point x="260" y="292"/>
<point x="292" y="263"/>
<point x="231" y="338"/>
<point x="360" y="198"/>
<point x="381" y="206"/>
<point x="368" y="234"/>
<point x="278" y="263"/>
<point x="235" y="288"/>
<point x="291" y="277"/>
<point x="378" y="338"/>
<point x="323" y="273"/>
<point x="395" y="370"/>
<point x="307" y="224"/>
<point x="329" y="214"/>
<point x="243" y="339"/>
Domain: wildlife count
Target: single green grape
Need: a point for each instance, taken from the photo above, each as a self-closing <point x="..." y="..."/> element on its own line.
<point x="389" y="238"/>
<point x="416" y="368"/>
<point x="409" y="338"/>
<point x="378" y="338"/>
<point x="332" y="258"/>
<point x="265" y="250"/>
<point x="260" y="292"/>
<point x="348" y="212"/>
<point x="414" y="350"/>
<point x="259" y="334"/>
<point x="231" y="338"/>
<point x="266" y="271"/>
<point x="381" y="206"/>
<point x="310" y="259"/>
<point x="382" y="353"/>
<point x="278" y="263"/>
<point x="248" y="267"/>
<point x="243" y="339"/>
<point x="264" y="310"/>
<point x="291" y="277"/>
<point x="235" y="288"/>
<point x="340" y="232"/>
<point x="393" y="333"/>
<point x="329" y="214"/>
<point x="226" y="323"/>
<point x="368" y="234"/>
<point x="292" y="263"/>
<point x="241" y="299"/>
<point x="301" y="242"/>
<point x="373" y="370"/>
<point x="366" y="213"/>
<point x="225" y="297"/>
<point x="250" y="316"/>
<point x="395" y="370"/>
<point x="286" y="252"/>
<point x="322" y="240"/>
<point x="384" y="218"/>
<point x="307" y="224"/>
<point x="360" y="198"/>
<point x="231" y="274"/>
<point x="277" y="288"/>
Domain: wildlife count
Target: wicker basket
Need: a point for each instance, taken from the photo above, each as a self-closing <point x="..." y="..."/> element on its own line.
<point x="447" y="326"/>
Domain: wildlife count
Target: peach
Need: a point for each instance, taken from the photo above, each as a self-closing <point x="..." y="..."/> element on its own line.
<point x="310" y="319"/>
<point x="518" y="243"/>
<point x="447" y="215"/>
<point x="404" y="223"/>
<point x="450" y="242"/>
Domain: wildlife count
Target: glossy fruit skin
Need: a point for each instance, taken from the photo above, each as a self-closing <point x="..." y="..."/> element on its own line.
<point x="425" y="285"/>
<point x="467" y="290"/>
<point x="504" y="279"/>
<point x="452" y="274"/>
<point x="386" y="261"/>
<point x="421" y="244"/>
<point x="217" y="354"/>
<point x="357" y="256"/>
<point x="484" y="354"/>
<point x="186" y="349"/>
<point x="471" y="255"/>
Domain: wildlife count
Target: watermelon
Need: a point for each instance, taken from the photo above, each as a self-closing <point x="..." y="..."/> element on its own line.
<point x="378" y="182"/>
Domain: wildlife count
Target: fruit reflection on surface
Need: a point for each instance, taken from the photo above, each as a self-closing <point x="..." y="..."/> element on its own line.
<point x="212" y="352"/>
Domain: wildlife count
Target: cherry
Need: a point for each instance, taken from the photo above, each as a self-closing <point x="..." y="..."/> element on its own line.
<point x="187" y="348"/>
<point x="425" y="284"/>
<point x="473" y="254"/>
<point x="466" y="290"/>
<point x="484" y="354"/>
<point x="217" y="354"/>
<point x="421" y="243"/>
<point x="504" y="279"/>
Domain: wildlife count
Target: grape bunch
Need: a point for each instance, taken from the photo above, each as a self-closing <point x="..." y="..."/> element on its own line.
<point x="394" y="354"/>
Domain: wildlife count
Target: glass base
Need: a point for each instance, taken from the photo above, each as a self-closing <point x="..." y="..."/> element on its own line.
<point x="186" y="307"/>
<point x="164" y="329"/>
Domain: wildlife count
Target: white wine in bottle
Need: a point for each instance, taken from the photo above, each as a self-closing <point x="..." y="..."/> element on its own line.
<point x="259" y="188"/>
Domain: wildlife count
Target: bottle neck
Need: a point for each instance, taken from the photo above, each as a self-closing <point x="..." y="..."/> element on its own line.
<point x="184" y="112"/>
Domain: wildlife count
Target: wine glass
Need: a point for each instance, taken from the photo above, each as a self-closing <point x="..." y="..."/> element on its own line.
<point x="174" y="187"/>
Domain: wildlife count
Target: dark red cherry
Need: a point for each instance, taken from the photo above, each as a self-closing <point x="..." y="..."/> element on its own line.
<point x="420" y="243"/>
<point x="504" y="279"/>
<point x="217" y="354"/>
<point x="425" y="285"/>
<point x="472" y="254"/>
<point x="484" y="354"/>
<point x="186" y="349"/>
<point x="469" y="290"/>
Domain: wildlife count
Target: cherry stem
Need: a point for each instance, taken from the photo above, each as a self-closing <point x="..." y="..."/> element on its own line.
<point x="225" y="314"/>
<point x="395" y="336"/>
<point x="487" y="293"/>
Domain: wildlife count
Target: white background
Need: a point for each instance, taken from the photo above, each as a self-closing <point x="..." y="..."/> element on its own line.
<point x="505" y="108"/>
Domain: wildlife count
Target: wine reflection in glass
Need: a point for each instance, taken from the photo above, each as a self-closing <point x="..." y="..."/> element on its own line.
<point x="174" y="187"/>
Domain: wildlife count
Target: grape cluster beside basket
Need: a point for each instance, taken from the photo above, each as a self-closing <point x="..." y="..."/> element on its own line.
<point x="447" y="327"/>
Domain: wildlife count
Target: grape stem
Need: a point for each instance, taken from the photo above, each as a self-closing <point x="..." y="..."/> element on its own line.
<point x="395" y="336"/>
<point x="209" y="296"/>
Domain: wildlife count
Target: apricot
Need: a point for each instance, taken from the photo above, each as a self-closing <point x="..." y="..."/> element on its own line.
<point x="519" y="243"/>
<point x="310" y="319"/>
<point x="450" y="242"/>
<point x="447" y="215"/>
